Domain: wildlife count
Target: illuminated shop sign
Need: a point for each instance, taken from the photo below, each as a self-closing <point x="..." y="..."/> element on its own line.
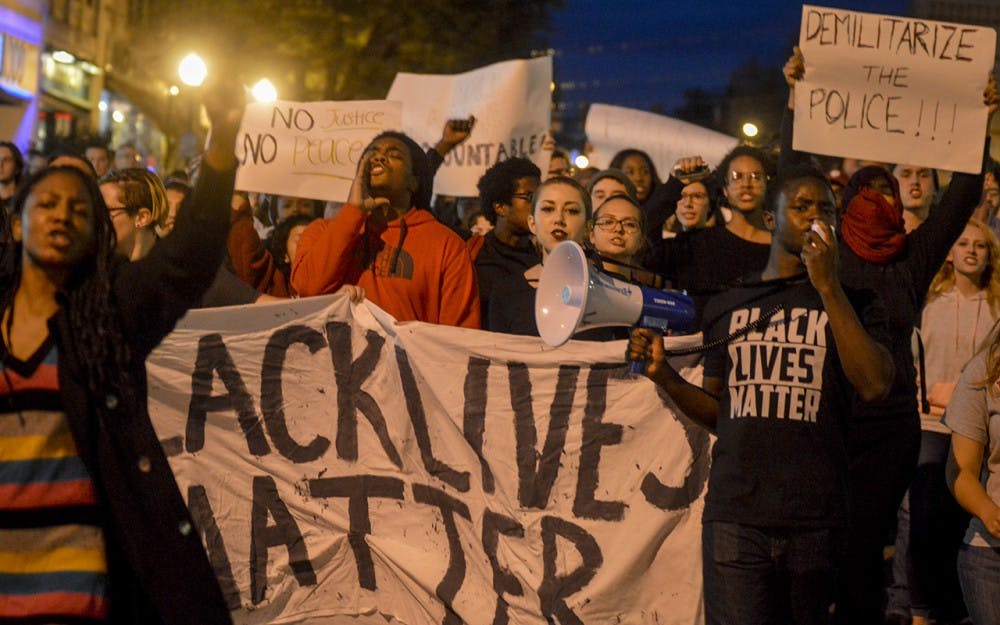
<point x="18" y="66"/>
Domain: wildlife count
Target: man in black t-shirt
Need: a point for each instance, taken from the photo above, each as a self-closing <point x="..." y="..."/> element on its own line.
<point x="777" y="397"/>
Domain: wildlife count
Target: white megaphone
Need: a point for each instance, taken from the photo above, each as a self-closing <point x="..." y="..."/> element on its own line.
<point x="573" y="295"/>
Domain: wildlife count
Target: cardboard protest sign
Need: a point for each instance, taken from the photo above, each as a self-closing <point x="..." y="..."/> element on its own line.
<point x="343" y="468"/>
<point x="308" y="149"/>
<point x="611" y="129"/>
<point x="512" y="105"/>
<point x="893" y="89"/>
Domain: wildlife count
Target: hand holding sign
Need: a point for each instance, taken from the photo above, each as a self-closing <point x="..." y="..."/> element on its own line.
<point x="891" y="89"/>
<point x="794" y="70"/>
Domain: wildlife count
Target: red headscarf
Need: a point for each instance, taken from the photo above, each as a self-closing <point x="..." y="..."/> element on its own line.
<point x="871" y="226"/>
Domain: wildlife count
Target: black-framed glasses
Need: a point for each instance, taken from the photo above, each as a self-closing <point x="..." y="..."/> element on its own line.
<point x="521" y="196"/>
<point x="610" y="224"/>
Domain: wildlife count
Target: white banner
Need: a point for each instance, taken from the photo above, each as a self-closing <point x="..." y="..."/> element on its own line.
<point x="893" y="89"/>
<point x="308" y="149"/>
<point x="611" y="129"/>
<point x="512" y="105"/>
<point x="347" y="469"/>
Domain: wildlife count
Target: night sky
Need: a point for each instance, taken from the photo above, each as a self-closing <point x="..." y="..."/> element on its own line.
<point x="640" y="53"/>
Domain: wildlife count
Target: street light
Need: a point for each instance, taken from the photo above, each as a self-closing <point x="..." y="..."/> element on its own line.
<point x="264" y="91"/>
<point x="750" y="130"/>
<point x="192" y="70"/>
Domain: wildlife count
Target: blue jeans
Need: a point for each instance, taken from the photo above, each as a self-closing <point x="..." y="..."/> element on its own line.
<point x="979" y="573"/>
<point x="763" y="576"/>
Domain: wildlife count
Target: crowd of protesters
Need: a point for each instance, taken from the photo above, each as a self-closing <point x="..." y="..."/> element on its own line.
<point x="892" y="446"/>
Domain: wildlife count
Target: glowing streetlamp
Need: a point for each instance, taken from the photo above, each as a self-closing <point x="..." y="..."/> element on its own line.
<point x="750" y="130"/>
<point x="192" y="70"/>
<point x="173" y="90"/>
<point x="264" y="91"/>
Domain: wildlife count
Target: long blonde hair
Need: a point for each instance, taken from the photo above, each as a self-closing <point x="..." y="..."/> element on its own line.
<point x="944" y="281"/>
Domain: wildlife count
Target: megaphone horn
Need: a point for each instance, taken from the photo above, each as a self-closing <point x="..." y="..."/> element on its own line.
<point x="574" y="296"/>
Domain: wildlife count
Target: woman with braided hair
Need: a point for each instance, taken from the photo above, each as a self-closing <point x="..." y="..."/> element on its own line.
<point x="87" y="500"/>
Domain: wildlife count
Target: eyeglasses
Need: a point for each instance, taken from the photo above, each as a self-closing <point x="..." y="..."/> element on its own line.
<point x="753" y="176"/>
<point x="521" y="196"/>
<point x="610" y="224"/>
<point x="697" y="196"/>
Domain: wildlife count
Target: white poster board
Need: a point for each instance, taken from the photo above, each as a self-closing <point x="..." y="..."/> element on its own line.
<point x="308" y="149"/>
<point x="511" y="102"/>
<point x="344" y="468"/>
<point x="611" y="129"/>
<point x="893" y="89"/>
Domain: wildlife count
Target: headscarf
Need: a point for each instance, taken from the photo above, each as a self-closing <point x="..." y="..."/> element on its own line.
<point x="870" y="225"/>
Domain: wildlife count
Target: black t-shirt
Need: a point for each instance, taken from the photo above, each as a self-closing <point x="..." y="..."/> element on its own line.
<point x="705" y="262"/>
<point x="780" y="458"/>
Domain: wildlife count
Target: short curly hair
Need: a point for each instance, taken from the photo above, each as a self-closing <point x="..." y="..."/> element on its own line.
<point x="500" y="182"/>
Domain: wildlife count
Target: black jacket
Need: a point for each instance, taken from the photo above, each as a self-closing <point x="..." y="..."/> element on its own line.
<point x="157" y="567"/>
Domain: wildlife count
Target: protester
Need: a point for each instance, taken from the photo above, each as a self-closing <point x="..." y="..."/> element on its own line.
<point x="776" y="501"/>
<point x="11" y="167"/>
<point x="917" y="186"/>
<point x="175" y="190"/>
<point x="616" y="231"/>
<point x="695" y="210"/>
<point x="989" y="205"/>
<point x="560" y="213"/>
<point x="71" y="158"/>
<point x="385" y="241"/>
<point x="962" y="307"/>
<point x="505" y="194"/>
<point x="78" y="322"/>
<point x="639" y="168"/>
<point x="559" y="164"/>
<point x="127" y="156"/>
<point x="137" y="203"/>
<point x="706" y="261"/>
<point x="264" y="265"/>
<point x="973" y="474"/>
<point x="100" y="157"/>
<point x="884" y="440"/>
<point x="37" y="161"/>
<point x="607" y="183"/>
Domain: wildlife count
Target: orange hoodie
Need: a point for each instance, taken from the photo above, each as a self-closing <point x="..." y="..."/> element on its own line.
<point x="432" y="279"/>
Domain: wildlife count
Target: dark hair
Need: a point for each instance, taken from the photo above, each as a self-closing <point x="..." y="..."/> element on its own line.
<point x="618" y="162"/>
<point x="93" y="318"/>
<point x="277" y="242"/>
<point x="18" y="159"/>
<point x="99" y="146"/>
<point x="569" y="182"/>
<point x="615" y="174"/>
<point x="864" y="177"/>
<point x="176" y="184"/>
<point x="786" y="177"/>
<point x="722" y="171"/>
<point x="421" y="197"/>
<point x="69" y="153"/>
<point x="500" y="181"/>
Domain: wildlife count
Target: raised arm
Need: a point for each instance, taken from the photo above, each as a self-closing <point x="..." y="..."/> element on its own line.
<point x="866" y="362"/>
<point x="154" y="292"/>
